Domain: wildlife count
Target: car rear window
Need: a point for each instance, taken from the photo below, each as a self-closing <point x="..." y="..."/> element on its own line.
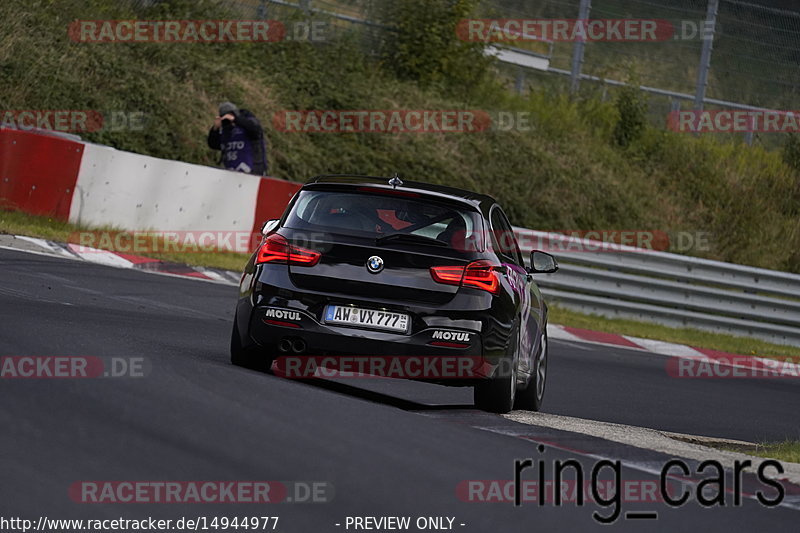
<point x="377" y="215"/>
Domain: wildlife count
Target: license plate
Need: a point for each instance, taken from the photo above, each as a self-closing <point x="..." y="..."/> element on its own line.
<point x="366" y="318"/>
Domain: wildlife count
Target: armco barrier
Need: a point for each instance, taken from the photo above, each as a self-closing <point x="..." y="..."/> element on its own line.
<point x="137" y="192"/>
<point x="676" y="290"/>
<point x="94" y="186"/>
<point x="38" y="172"/>
<point x="273" y="195"/>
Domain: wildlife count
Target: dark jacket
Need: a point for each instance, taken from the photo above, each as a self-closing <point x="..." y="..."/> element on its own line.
<point x="242" y="144"/>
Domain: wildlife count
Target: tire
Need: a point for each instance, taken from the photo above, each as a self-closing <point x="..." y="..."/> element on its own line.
<point x="530" y="398"/>
<point x="247" y="357"/>
<point x="497" y="394"/>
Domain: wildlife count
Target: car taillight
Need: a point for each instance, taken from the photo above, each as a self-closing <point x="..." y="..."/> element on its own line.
<point x="276" y="249"/>
<point x="449" y="275"/>
<point x="478" y="274"/>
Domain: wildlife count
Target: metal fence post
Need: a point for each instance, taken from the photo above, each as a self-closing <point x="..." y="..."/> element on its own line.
<point x="577" y="50"/>
<point x="748" y="135"/>
<point x="519" y="83"/>
<point x="707" y="35"/>
<point x="674" y="109"/>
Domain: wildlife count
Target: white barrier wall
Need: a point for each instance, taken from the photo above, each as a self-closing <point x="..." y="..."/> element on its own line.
<point x="136" y="192"/>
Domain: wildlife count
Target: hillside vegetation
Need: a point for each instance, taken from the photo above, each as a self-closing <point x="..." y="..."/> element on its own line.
<point x="582" y="165"/>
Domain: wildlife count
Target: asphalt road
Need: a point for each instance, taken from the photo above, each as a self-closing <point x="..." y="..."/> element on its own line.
<point x="383" y="447"/>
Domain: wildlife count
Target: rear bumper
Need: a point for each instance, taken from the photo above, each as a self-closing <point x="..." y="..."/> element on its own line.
<point x="300" y="343"/>
<point x="465" y="337"/>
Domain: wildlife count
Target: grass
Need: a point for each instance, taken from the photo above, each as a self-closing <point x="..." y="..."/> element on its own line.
<point x="691" y="337"/>
<point x="16" y="223"/>
<point x="788" y="451"/>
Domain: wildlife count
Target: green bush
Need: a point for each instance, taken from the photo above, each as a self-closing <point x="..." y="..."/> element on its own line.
<point x="425" y="47"/>
<point x="791" y="151"/>
<point x="632" y="120"/>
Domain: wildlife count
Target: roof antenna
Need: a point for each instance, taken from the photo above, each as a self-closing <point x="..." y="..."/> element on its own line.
<point x="395" y="182"/>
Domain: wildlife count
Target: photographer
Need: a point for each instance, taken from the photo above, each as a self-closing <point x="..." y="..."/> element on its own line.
<point x="240" y="137"/>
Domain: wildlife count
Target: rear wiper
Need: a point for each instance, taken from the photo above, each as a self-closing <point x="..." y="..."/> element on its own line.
<point x="410" y="237"/>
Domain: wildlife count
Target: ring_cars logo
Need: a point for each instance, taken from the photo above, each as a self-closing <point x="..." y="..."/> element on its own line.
<point x="451" y="335"/>
<point x="280" y="313"/>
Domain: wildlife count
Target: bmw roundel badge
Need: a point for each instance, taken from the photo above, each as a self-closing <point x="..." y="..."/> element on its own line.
<point x="374" y="264"/>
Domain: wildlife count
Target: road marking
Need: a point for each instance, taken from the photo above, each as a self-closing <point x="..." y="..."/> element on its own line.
<point x="664" y="348"/>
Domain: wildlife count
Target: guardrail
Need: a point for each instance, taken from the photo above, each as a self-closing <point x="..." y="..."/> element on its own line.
<point x="620" y="281"/>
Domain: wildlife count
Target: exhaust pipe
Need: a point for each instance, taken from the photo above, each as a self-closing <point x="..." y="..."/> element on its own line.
<point x="298" y="346"/>
<point x="285" y="345"/>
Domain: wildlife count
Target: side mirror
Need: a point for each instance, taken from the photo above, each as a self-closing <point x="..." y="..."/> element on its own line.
<point x="269" y="225"/>
<point x="542" y="263"/>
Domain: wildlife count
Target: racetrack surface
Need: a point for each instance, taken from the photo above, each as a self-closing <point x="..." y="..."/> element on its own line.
<point x="387" y="447"/>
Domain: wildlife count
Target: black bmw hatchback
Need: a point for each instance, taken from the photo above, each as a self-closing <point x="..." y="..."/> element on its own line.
<point x="405" y="279"/>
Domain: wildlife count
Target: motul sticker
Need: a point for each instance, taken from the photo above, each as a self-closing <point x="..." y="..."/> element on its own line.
<point x="460" y="336"/>
<point x="282" y="314"/>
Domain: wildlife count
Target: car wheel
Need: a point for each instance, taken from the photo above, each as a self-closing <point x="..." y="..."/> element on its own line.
<point x="530" y="398"/>
<point x="497" y="394"/>
<point x="247" y="357"/>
